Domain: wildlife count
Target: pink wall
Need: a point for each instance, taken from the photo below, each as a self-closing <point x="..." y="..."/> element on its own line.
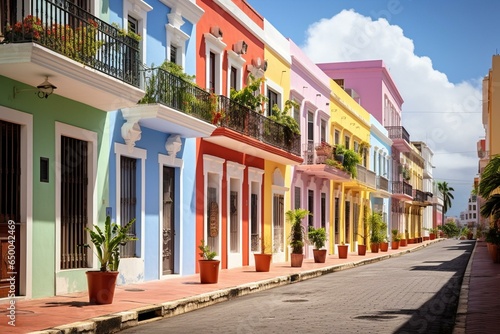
<point x="371" y="80"/>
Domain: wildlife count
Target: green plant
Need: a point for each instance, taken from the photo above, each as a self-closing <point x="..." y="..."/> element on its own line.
<point x="123" y="32"/>
<point x="317" y="236"/>
<point x="396" y="236"/>
<point x="31" y="28"/>
<point x="376" y="227"/>
<point x="297" y="232"/>
<point x="283" y="117"/>
<point x="350" y="161"/>
<point x="107" y="244"/>
<point x="433" y="230"/>
<point x="206" y="253"/>
<point x="250" y="96"/>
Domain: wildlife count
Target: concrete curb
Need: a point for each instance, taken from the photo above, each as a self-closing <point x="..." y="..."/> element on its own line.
<point x="116" y="322"/>
<point x="463" y="299"/>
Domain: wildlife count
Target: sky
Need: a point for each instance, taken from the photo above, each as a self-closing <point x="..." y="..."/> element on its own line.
<point x="437" y="52"/>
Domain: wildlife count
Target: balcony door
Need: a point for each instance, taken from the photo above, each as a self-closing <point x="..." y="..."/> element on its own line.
<point x="168" y="236"/>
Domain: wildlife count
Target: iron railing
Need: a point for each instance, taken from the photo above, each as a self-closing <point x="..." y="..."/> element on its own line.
<point x="398" y="132"/>
<point x="170" y="90"/>
<point x="239" y="118"/>
<point x="382" y="183"/>
<point x="401" y="187"/>
<point x="75" y="33"/>
<point x="420" y="196"/>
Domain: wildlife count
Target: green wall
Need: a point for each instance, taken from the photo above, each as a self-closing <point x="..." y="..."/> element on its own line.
<point x="46" y="112"/>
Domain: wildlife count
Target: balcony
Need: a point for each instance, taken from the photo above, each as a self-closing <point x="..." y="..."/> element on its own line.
<point x="319" y="162"/>
<point x="87" y="59"/>
<point x="400" y="138"/>
<point x="382" y="187"/>
<point x="178" y="106"/>
<point x="422" y="198"/>
<point x="402" y="190"/>
<point x="368" y="177"/>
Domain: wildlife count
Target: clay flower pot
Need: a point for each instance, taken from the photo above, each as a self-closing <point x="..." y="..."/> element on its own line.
<point x="319" y="255"/>
<point x="343" y="249"/>
<point x="262" y="262"/>
<point x="209" y="271"/>
<point x="361" y="249"/>
<point x="296" y="260"/>
<point x="101" y="285"/>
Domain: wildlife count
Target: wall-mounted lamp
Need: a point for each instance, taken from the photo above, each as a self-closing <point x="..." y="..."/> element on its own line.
<point x="43" y="90"/>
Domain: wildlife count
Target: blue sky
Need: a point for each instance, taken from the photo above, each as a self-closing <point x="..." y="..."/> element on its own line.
<point x="436" y="51"/>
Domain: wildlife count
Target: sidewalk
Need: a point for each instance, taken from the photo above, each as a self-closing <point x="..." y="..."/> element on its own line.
<point x="138" y="303"/>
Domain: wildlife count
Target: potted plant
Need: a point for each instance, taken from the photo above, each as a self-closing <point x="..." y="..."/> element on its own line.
<point x="350" y="159"/>
<point x="263" y="260"/>
<point x="364" y="236"/>
<point x="102" y="282"/>
<point x="318" y="237"/>
<point x="297" y="232"/>
<point x="396" y="238"/>
<point x="432" y="233"/>
<point x="375" y="221"/>
<point x="209" y="266"/>
<point x="343" y="250"/>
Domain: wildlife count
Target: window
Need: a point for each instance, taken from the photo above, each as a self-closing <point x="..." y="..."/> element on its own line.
<point x="233" y="77"/>
<point x="323" y="210"/>
<point x="297" y="198"/>
<point x="337" y="220"/>
<point x="337" y="137"/>
<point x="296" y="114"/>
<point x="173" y="54"/>
<point x="128" y="201"/>
<point x="211" y="72"/>
<point x="133" y="25"/>
<point x="310" y="205"/>
<point x="323" y="130"/>
<point x="74" y="213"/>
<point x="347" y="140"/>
<point x="356" y="147"/>
<point x="339" y="82"/>
<point x="310" y="127"/>
<point x="272" y="98"/>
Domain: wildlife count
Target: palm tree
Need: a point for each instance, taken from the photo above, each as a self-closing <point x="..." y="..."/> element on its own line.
<point x="489" y="188"/>
<point x="447" y="196"/>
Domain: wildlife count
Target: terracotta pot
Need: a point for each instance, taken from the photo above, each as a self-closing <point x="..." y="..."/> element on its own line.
<point x="262" y="262"/>
<point x="209" y="271"/>
<point x="432" y="236"/>
<point x="343" y="249"/>
<point x="493" y="250"/>
<point x="101" y="285"/>
<point x="426" y="238"/>
<point x="361" y="249"/>
<point x="403" y="243"/>
<point x="409" y="241"/>
<point x="374" y="247"/>
<point x="384" y="246"/>
<point x="296" y="260"/>
<point x="319" y="255"/>
<point x="395" y="244"/>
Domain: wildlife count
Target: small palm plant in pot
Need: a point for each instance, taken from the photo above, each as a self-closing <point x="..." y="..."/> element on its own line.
<point x="317" y="236"/>
<point x="209" y="266"/>
<point x="396" y="238"/>
<point x="297" y="233"/>
<point x="107" y="242"/>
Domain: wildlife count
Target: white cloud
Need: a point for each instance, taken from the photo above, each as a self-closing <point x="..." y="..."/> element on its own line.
<point x="438" y="112"/>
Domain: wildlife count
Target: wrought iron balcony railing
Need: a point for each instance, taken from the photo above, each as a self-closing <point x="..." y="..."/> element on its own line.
<point x="174" y="92"/>
<point x="401" y="187"/>
<point x="398" y="132"/>
<point x="73" y="32"/>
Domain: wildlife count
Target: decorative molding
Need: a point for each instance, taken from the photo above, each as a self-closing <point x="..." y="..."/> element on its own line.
<point x="173" y="145"/>
<point x="188" y="9"/>
<point x="131" y="132"/>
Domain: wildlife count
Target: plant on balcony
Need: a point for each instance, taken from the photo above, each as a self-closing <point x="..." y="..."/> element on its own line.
<point x="158" y="91"/>
<point x="129" y="33"/>
<point x="80" y="44"/>
<point x="29" y="29"/>
<point x="324" y="149"/>
<point x="350" y="161"/>
<point x="334" y="163"/>
<point x="250" y="96"/>
<point x="291" y="127"/>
